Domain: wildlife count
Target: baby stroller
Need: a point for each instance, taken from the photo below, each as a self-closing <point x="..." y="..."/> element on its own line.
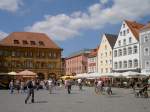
<point x="142" y="92"/>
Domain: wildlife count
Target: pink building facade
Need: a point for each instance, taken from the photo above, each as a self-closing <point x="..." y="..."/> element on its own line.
<point x="77" y="64"/>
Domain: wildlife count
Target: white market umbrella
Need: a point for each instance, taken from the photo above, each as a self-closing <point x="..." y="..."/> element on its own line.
<point x="93" y="75"/>
<point x="12" y="73"/>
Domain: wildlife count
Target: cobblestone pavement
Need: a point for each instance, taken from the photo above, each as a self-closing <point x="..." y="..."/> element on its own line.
<point x="122" y="100"/>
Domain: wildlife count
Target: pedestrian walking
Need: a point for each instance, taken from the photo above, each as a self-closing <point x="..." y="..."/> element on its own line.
<point x="11" y="86"/>
<point x="18" y="85"/>
<point x="30" y="87"/>
<point x="80" y="84"/>
<point x="50" y="85"/>
<point x="68" y="85"/>
<point x="22" y="86"/>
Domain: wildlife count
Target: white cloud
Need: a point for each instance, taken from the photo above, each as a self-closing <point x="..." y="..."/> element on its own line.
<point x="104" y="1"/>
<point x="3" y="35"/>
<point x="62" y="26"/>
<point x="10" y="5"/>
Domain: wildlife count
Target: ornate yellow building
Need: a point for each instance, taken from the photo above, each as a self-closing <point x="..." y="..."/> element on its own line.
<point x="33" y="51"/>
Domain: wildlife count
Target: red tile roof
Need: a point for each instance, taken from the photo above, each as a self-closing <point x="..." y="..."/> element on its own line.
<point x="134" y="27"/>
<point x="93" y="53"/>
<point x="38" y="38"/>
<point x="147" y="26"/>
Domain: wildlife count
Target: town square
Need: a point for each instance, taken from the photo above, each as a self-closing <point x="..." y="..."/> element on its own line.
<point x="74" y="56"/>
<point x="122" y="100"/>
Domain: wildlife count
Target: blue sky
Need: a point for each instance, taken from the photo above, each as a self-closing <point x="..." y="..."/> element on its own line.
<point x="72" y="24"/>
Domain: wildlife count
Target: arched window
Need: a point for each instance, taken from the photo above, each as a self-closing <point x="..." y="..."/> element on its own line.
<point x="135" y="63"/>
<point x="125" y="64"/>
<point x="130" y="64"/>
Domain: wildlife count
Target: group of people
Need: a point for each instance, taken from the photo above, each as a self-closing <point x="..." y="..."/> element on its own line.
<point x="101" y="87"/>
<point x="29" y="86"/>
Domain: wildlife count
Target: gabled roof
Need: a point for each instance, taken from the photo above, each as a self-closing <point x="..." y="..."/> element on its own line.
<point x="93" y="53"/>
<point x="134" y="27"/>
<point x="36" y="38"/>
<point x="147" y="26"/>
<point x="111" y="39"/>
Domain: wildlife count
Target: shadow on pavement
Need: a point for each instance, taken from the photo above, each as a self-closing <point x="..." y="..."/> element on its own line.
<point x="40" y="102"/>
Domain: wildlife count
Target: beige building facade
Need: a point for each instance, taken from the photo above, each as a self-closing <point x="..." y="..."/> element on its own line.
<point x="105" y="53"/>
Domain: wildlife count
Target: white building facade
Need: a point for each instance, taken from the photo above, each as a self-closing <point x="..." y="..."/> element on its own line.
<point x="126" y="53"/>
<point x="145" y="49"/>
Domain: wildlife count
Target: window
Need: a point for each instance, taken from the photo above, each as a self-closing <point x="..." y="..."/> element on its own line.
<point x="147" y="64"/>
<point x="124" y="51"/>
<point x="1" y="53"/>
<point x="124" y="33"/>
<point x="16" y="41"/>
<point x="130" y="64"/>
<point x="41" y="43"/>
<point x="25" y="42"/>
<point x="123" y="25"/>
<point x="101" y="70"/>
<point x="121" y="33"/>
<point x="13" y="53"/>
<point x="146" y="51"/>
<point x="110" y="61"/>
<point x="106" y="70"/>
<point x="130" y="40"/>
<point x="135" y="63"/>
<point x="125" y="64"/>
<point x="127" y="30"/>
<point x="124" y="41"/>
<point x="105" y="46"/>
<point x="32" y="43"/>
<point x="106" y="54"/>
<point x="110" y="53"/>
<point x="120" y="64"/>
<point x="120" y="52"/>
<point x="116" y="65"/>
<point x="146" y="38"/>
<point x="119" y="43"/>
<point x="129" y="50"/>
<point x="106" y="61"/>
<point x="135" y="49"/>
<point x="115" y="53"/>
<point x="101" y="62"/>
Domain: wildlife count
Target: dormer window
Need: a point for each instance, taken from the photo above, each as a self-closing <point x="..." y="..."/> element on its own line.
<point x="41" y="43"/>
<point x="16" y="41"/>
<point x="25" y="42"/>
<point x="32" y="43"/>
<point x="123" y="25"/>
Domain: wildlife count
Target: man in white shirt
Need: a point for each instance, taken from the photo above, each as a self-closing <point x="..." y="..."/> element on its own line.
<point x="50" y="85"/>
